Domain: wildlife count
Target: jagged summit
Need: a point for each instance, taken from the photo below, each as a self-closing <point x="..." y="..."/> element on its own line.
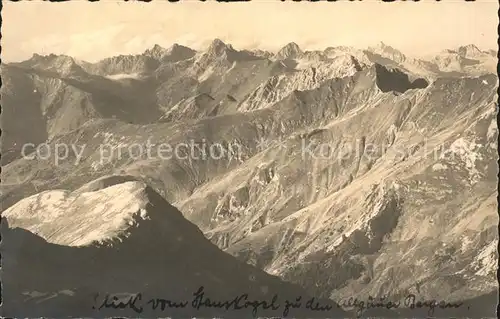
<point x="178" y="47"/>
<point x="91" y="242"/>
<point x="38" y="58"/>
<point x="156" y="51"/>
<point x="179" y="52"/>
<point x="289" y="51"/>
<point x="157" y="47"/>
<point x="469" y="51"/>
<point x="388" y="52"/>
<point x="218" y="47"/>
<point x="222" y="53"/>
<point x="261" y="53"/>
<point x="175" y="53"/>
<point x="217" y="42"/>
<point x="380" y="47"/>
<point x="383" y="45"/>
<point x="61" y="64"/>
<point x="125" y="64"/>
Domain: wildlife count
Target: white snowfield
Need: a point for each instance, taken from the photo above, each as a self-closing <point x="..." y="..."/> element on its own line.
<point x="82" y="218"/>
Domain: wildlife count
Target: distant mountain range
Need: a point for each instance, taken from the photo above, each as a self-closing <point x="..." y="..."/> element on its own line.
<point x="162" y="80"/>
<point x="404" y="203"/>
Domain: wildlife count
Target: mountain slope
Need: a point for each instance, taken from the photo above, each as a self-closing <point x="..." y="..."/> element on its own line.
<point x="92" y="240"/>
<point x="173" y="54"/>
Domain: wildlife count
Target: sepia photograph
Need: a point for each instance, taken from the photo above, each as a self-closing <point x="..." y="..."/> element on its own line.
<point x="284" y="159"/>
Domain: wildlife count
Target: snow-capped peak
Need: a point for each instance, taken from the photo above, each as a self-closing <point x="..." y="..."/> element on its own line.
<point x="389" y="52"/>
<point x="218" y="47"/>
<point x="156" y="52"/>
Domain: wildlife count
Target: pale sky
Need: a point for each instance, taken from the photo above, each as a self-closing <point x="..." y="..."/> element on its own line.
<point x="92" y="31"/>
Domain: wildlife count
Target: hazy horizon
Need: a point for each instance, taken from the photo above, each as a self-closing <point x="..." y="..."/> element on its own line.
<point x="93" y="31"/>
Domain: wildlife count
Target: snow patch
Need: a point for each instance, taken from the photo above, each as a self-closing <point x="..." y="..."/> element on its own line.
<point x="144" y="214"/>
<point x="467" y="151"/>
<point x="311" y="73"/>
<point x="48" y="203"/>
<point x="122" y="76"/>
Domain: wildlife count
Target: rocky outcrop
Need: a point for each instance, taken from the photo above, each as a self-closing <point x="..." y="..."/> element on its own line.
<point x="289" y="51"/>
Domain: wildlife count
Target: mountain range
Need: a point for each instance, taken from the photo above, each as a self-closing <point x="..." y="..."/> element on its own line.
<point x="404" y="201"/>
